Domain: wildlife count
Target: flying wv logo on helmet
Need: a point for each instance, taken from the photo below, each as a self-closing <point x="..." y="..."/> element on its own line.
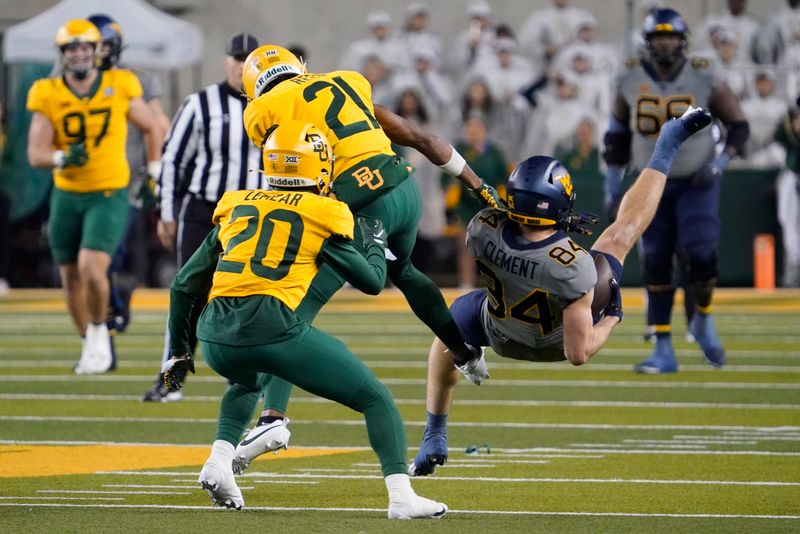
<point x="540" y="193"/>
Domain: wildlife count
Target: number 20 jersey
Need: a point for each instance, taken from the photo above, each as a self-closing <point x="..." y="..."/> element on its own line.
<point x="652" y="102"/>
<point x="100" y="117"/>
<point x="528" y="284"/>
<point x="271" y="240"/>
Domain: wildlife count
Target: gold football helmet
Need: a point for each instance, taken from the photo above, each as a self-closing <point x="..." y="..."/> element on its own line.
<point x="297" y="155"/>
<point x="78" y="31"/>
<point x="265" y="65"/>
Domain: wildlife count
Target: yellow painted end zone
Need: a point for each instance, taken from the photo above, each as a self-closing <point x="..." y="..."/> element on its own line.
<point x="53" y="460"/>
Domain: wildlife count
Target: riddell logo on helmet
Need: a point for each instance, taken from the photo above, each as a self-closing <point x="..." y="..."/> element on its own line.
<point x="271" y="73"/>
<point x="279" y="181"/>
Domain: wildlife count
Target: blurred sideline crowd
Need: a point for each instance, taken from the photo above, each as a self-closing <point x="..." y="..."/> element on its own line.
<point x="544" y="86"/>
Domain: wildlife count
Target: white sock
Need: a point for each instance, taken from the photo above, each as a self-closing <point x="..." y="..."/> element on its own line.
<point x="95" y="332"/>
<point x="398" y="486"/>
<point x="222" y="450"/>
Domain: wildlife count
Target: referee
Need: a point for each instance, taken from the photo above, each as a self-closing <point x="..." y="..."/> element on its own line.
<point x="206" y="153"/>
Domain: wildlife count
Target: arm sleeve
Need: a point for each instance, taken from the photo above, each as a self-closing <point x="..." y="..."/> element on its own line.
<point x="180" y="149"/>
<point x="366" y="273"/>
<point x="194" y="279"/>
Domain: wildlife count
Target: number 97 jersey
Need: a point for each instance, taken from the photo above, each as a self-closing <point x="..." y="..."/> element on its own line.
<point x="98" y="119"/>
<point x="528" y="285"/>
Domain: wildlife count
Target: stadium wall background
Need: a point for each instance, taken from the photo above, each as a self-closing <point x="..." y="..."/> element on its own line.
<point x="325" y="28"/>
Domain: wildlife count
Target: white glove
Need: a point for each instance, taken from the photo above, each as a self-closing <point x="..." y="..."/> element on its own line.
<point x="475" y="369"/>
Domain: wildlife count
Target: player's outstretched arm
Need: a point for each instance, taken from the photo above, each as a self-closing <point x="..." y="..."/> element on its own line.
<point x="439" y="152"/>
<point x="638" y="206"/>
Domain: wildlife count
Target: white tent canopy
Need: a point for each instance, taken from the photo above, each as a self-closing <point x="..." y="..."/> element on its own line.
<point x="152" y="39"/>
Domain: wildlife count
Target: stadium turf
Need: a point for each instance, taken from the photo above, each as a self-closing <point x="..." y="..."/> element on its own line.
<point x="560" y="449"/>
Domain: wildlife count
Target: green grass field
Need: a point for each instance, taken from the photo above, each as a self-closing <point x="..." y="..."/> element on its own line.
<point x="562" y="449"/>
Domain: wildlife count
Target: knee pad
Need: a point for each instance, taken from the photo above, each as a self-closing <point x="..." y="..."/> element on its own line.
<point x="657" y="271"/>
<point x="703" y="265"/>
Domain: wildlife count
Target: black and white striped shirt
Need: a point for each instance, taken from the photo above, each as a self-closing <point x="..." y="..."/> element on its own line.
<point x="207" y="151"/>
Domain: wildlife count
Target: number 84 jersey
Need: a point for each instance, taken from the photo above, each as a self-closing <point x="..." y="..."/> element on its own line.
<point x="528" y="284"/>
<point x="98" y="119"/>
<point x="652" y="102"/>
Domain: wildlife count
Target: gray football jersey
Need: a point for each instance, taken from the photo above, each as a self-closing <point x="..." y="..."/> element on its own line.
<point x="652" y="102"/>
<point x="529" y="285"/>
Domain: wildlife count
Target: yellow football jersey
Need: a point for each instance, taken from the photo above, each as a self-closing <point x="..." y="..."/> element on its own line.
<point x="338" y="103"/>
<point x="271" y="239"/>
<point x="99" y="119"/>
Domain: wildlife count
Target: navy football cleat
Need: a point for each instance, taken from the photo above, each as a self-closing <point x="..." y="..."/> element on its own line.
<point x="432" y="452"/>
<point x="661" y="361"/>
<point x="702" y="328"/>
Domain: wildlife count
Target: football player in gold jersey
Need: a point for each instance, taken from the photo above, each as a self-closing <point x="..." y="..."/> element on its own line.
<point x="259" y="261"/>
<point x="367" y="176"/>
<point x="78" y="129"/>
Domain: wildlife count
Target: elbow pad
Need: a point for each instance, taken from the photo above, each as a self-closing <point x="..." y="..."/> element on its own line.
<point x="617" y="147"/>
<point x="738" y="133"/>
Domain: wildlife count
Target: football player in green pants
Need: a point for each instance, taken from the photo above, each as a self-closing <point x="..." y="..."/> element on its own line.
<point x="259" y="262"/>
<point x="371" y="180"/>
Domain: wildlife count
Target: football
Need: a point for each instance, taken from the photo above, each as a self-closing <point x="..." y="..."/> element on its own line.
<point x="602" y="290"/>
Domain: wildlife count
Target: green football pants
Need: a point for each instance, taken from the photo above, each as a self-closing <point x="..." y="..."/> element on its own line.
<point x="321" y="365"/>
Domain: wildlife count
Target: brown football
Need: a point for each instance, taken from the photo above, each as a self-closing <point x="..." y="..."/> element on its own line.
<point x="602" y="289"/>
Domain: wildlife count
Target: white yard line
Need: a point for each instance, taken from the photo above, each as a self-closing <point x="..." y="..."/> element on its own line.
<point x="761" y="433"/>
<point x="55" y="497"/>
<point x="383" y="511"/>
<point x="463" y="402"/>
<point x="111" y="492"/>
<point x="636" y="384"/>
<point x="309" y="475"/>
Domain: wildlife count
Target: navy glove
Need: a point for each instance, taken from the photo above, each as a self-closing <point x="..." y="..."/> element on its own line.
<point x="672" y="135"/>
<point x="615" y="302"/>
<point x="711" y="172"/>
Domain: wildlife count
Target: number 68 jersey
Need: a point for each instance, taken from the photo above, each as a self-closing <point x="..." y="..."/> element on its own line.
<point x="653" y="102"/>
<point x="98" y="119"/>
<point x="528" y="284"/>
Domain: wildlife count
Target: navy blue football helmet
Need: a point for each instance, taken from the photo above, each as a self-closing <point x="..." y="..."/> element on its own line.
<point x="540" y="193"/>
<point x="665" y="21"/>
<point x="111" y="32"/>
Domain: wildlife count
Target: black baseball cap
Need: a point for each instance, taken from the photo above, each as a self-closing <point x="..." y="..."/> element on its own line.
<point x="240" y="45"/>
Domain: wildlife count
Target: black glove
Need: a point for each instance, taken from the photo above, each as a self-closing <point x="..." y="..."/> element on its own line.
<point x="174" y="370"/>
<point x="76" y="155"/>
<point x="615" y="302"/>
<point x="372" y="232"/>
<point x="147" y="193"/>
<point x="488" y="195"/>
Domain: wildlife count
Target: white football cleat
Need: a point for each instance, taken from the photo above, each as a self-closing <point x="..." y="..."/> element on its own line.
<point x="415" y="507"/>
<point x="96" y="356"/>
<point x="475" y="369"/>
<point x="270" y="437"/>
<point x="218" y="480"/>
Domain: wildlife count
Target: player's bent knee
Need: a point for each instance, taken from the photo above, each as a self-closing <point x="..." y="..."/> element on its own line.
<point x="703" y="264"/>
